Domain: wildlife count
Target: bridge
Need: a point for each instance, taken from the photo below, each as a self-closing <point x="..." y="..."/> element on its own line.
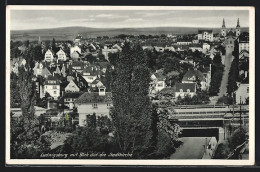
<point x="208" y="121"/>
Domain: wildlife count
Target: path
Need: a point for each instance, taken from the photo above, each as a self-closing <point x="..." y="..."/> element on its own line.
<point x="224" y="81"/>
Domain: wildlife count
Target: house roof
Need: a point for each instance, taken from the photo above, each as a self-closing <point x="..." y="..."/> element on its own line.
<point x="72" y="95"/>
<point x="52" y="78"/>
<point x="191" y="73"/>
<point x="185" y="86"/>
<point x="231" y="33"/>
<point x="94" y="97"/>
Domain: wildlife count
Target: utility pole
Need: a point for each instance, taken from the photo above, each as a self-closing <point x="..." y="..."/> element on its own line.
<point x="240" y="120"/>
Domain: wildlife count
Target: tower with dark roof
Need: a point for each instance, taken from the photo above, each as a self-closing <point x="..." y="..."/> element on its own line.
<point x="238" y="28"/>
<point x="223" y="30"/>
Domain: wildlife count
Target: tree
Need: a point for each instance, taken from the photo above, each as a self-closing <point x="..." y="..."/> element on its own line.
<point x="27" y="86"/>
<point x="172" y="78"/>
<point x="53" y="45"/>
<point x="132" y="107"/>
<point x="37" y="53"/>
<point x="237" y="138"/>
<point x="113" y="58"/>
<point x="90" y="58"/>
<point x="14" y="91"/>
<point x="233" y="75"/>
<point x="26" y="139"/>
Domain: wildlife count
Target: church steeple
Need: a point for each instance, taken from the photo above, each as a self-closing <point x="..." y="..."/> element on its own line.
<point x="223" y="25"/>
<point x="238" y="28"/>
<point x="238" y="25"/>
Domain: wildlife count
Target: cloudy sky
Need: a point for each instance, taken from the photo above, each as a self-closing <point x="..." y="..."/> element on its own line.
<point x="38" y="19"/>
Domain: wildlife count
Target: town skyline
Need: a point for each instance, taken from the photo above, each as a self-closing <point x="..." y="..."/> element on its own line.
<point x="47" y="19"/>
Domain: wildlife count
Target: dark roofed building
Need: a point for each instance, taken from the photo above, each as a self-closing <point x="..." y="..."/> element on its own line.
<point x="93" y="102"/>
<point x="183" y="89"/>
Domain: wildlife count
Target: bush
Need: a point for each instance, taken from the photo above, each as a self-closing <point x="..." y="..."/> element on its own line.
<point x="60" y="129"/>
<point x="222" y="151"/>
<point x="225" y="100"/>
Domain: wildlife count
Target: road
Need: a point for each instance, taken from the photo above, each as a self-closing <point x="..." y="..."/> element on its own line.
<point x="192" y="148"/>
<point x="227" y="63"/>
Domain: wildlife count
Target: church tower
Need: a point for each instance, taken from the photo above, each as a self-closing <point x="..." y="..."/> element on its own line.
<point x="238" y="28"/>
<point x="223" y="30"/>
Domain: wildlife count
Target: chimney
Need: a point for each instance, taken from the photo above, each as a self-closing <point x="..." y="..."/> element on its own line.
<point x="102" y="91"/>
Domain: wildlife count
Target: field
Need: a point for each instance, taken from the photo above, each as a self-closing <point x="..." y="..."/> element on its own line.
<point x="69" y="33"/>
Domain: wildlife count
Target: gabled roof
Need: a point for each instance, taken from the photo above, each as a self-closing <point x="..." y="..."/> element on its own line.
<point x="185" y="87"/>
<point x="94" y="97"/>
<point x="72" y="95"/>
<point x="191" y="73"/>
<point x="97" y="80"/>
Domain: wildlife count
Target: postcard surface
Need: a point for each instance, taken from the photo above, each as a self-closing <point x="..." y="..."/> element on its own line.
<point x="146" y="85"/>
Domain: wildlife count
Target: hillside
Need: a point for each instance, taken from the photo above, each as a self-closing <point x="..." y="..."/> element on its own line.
<point x="69" y="33"/>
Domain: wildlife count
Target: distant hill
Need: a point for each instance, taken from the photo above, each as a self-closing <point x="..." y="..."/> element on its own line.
<point x="69" y="33"/>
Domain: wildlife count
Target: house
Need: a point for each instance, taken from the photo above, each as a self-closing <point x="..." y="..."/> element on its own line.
<point x="90" y="73"/>
<point x="49" y="56"/>
<point x="96" y="84"/>
<point x="103" y="66"/>
<point x="80" y="82"/>
<point x="78" y="39"/>
<point x="52" y="86"/>
<point x="61" y="55"/>
<point x="77" y="66"/>
<point x="205" y="35"/>
<point x="205" y="47"/>
<point x="69" y="99"/>
<point x="15" y="63"/>
<point x="170" y="48"/>
<point x="93" y="102"/>
<point x="72" y="87"/>
<point x="195" y="76"/>
<point x="74" y="49"/>
<point x="157" y="82"/>
<point x="242" y="93"/>
<point x="159" y="49"/>
<point x="75" y="56"/>
<point x="183" y="89"/>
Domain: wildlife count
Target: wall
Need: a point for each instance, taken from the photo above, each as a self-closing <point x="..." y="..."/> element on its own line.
<point x="85" y="109"/>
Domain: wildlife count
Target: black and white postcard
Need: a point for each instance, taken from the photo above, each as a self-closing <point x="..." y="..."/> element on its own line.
<point x="146" y="85"/>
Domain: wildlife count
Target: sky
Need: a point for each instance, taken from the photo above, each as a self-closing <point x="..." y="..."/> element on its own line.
<point x="40" y="19"/>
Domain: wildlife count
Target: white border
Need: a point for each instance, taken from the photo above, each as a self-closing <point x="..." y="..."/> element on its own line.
<point x="135" y="162"/>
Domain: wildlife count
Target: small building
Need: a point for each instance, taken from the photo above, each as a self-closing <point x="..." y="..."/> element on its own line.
<point x="183" y="89"/>
<point x="205" y="35"/>
<point x="242" y="92"/>
<point x="69" y="99"/>
<point x="61" y="55"/>
<point x="74" y="49"/>
<point x="52" y="86"/>
<point x="49" y="56"/>
<point x="93" y="102"/>
<point x="157" y="83"/>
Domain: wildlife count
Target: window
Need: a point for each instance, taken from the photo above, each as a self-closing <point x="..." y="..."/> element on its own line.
<point x="54" y="87"/>
<point x="54" y="92"/>
<point x="247" y="89"/>
<point x="188" y="90"/>
<point x="181" y="90"/>
<point x="94" y="105"/>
